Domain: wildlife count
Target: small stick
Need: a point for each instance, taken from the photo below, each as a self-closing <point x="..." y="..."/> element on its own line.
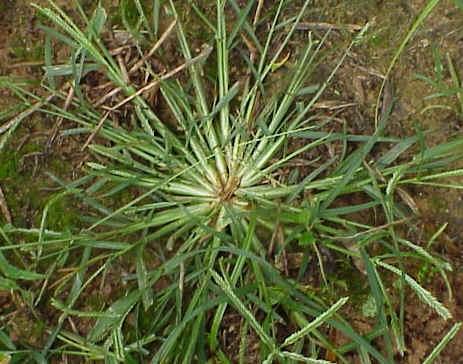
<point x="388" y="98"/>
<point x="260" y="5"/>
<point x="73" y="325"/>
<point x="251" y="48"/>
<point x="136" y="66"/>
<point x="125" y="74"/>
<point x="24" y="64"/>
<point x="205" y="53"/>
<point x="371" y="71"/>
<point x="181" y="280"/>
<point x="333" y="105"/>
<point x="4" y="207"/>
<point x="327" y="26"/>
<point x="119" y="50"/>
<point x="161" y="40"/>
<point x="95" y="131"/>
<point x="108" y="96"/>
<point x="372" y="230"/>
<point x="58" y="123"/>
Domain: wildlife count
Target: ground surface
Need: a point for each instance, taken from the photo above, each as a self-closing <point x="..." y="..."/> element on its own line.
<point x="24" y="164"/>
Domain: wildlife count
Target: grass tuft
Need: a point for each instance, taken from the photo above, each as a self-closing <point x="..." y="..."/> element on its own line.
<point x="200" y="197"/>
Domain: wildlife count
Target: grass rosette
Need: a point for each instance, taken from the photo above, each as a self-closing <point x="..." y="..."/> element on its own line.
<point x="212" y="195"/>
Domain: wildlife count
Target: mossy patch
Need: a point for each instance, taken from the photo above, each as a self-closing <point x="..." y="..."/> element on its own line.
<point x="28" y="330"/>
<point x="8" y="165"/>
<point x="27" y="52"/>
<point x="7" y="5"/>
<point x="61" y="215"/>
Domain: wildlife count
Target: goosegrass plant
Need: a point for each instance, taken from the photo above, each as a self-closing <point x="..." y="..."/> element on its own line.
<point x="202" y="206"/>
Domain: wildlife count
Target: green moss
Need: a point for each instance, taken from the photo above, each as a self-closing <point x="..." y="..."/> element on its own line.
<point x="346" y="279"/>
<point x="437" y="204"/>
<point x="29" y="330"/>
<point x="378" y="40"/>
<point x="8" y="165"/>
<point x="59" y="167"/>
<point x="31" y="148"/>
<point x="27" y="52"/>
<point x="23" y="189"/>
<point x="61" y="216"/>
<point x="6" y="5"/>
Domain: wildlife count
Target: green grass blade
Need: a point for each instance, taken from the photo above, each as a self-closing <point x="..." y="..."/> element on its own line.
<point x="443" y="343"/>
<point x="239" y="305"/>
<point x="422" y="293"/>
<point x="320" y="320"/>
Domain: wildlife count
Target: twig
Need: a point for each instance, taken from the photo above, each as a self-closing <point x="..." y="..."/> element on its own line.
<point x="122" y="66"/>
<point x="7" y="125"/>
<point x="24" y="64"/>
<point x="251" y="48"/>
<point x="136" y="66"/>
<point x="58" y="123"/>
<point x="4" y="207"/>
<point x="372" y="230"/>
<point x="260" y="5"/>
<point x="204" y="54"/>
<point x="110" y="94"/>
<point x="161" y="40"/>
<point x="388" y="99"/>
<point x="333" y="105"/>
<point x="327" y="26"/>
<point x="119" y="50"/>
<point x="95" y="131"/>
<point x="371" y="71"/>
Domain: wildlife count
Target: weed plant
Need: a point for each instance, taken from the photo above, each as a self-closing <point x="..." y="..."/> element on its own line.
<point x="204" y="196"/>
